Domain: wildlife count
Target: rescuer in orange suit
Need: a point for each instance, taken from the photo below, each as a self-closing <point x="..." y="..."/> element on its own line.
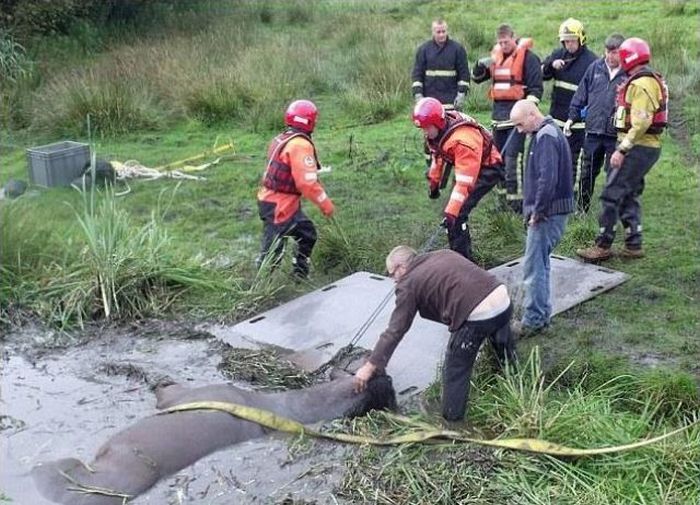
<point x="292" y="172"/>
<point x="458" y="141"/>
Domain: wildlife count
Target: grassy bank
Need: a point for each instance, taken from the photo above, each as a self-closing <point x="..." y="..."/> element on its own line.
<point x="168" y="248"/>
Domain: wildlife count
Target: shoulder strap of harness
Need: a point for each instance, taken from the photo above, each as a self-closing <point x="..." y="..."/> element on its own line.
<point x="455" y="120"/>
<point x="282" y="140"/>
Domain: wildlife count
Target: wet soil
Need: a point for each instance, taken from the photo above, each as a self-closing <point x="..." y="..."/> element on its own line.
<point x="59" y="400"/>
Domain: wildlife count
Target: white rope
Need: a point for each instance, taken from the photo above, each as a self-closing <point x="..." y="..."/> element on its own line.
<point x="132" y="169"/>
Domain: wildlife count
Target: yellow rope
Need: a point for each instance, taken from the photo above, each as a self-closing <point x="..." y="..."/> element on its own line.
<point x="273" y="421"/>
<point x="214" y="150"/>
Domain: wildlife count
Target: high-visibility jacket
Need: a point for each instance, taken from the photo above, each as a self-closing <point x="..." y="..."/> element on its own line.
<point x="467" y="146"/>
<point x="507" y="72"/>
<point x="291" y="173"/>
<point x="642" y="110"/>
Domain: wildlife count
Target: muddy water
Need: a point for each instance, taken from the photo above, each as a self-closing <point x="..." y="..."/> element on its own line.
<point x="63" y="403"/>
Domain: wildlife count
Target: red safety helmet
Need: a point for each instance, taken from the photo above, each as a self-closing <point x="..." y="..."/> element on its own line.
<point x="429" y="111"/>
<point x="301" y="114"/>
<point x="633" y="52"/>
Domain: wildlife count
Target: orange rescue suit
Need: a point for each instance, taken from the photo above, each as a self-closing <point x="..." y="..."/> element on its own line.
<point x="465" y="146"/>
<point x="292" y="157"/>
<point x="507" y="72"/>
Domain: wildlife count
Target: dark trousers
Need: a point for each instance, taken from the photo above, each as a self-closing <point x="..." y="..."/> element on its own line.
<point x="458" y="235"/>
<point x="597" y="150"/>
<point x="299" y="227"/>
<point x="575" y="141"/>
<point x="460" y="356"/>
<point x="510" y="144"/>
<point x="620" y="197"/>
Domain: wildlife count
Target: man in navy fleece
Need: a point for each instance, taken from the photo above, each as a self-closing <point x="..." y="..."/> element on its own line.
<point x="548" y="199"/>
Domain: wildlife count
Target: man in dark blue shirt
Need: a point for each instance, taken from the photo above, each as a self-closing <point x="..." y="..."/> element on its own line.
<point x="595" y="97"/>
<point x="548" y="199"/>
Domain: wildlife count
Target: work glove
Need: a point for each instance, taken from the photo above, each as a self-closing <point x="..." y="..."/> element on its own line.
<point x="417" y="96"/>
<point x="567" y="127"/>
<point x="485" y="62"/>
<point x="433" y="191"/>
<point x="459" y="100"/>
<point x="558" y="64"/>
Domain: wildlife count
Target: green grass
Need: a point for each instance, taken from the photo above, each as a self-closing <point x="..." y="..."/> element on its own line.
<point x="158" y="99"/>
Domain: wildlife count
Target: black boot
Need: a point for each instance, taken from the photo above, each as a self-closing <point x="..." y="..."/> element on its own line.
<point x="301" y="266"/>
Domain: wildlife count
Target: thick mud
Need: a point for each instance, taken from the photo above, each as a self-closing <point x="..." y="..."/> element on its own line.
<point x="66" y="402"/>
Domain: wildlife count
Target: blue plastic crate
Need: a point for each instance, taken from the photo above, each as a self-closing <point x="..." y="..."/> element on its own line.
<point x="57" y="164"/>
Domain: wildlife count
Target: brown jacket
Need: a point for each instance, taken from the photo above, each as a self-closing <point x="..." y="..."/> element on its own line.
<point x="442" y="286"/>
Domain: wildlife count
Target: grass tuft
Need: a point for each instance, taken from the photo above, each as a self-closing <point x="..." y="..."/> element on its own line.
<point x="114" y="104"/>
<point x="122" y="270"/>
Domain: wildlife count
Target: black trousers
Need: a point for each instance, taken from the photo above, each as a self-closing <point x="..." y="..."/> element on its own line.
<point x="511" y="145"/>
<point x="299" y="227"/>
<point x="620" y="197"/>
<point x="458" y="235"/>
<point x="597" y="150"/>
<point x="575" y="141"/>
<point x="460" y="356"/>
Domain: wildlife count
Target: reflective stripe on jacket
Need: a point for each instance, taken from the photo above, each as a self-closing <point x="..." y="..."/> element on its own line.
<point x="291" y="173"/>
<point x="467" y="146"/>
<point x="507" y="72"/>
<point x="441" y="72"/>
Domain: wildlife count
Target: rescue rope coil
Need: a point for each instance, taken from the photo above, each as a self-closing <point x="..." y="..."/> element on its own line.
<point x="132" y="169"/>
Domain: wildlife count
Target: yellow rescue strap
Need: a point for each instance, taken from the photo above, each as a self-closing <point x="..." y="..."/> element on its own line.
<point x="185" y="163"/>
<point x="273" y="421"/>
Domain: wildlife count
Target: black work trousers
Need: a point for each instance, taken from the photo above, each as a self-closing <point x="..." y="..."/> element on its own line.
<point x="458" y="234"/>
<point x="510" y="144"/>
<point x="620" y="197"/>
<point x="575" y="141"/>
<point x="597" y="150"/>
<point x="460" y="356"/>
<point x="299" y="227"/>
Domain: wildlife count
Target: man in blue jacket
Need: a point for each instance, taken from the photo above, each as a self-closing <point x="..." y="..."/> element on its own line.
<point x="595" y="97"/>
<point x="566" y="67"/>
<point x="548" y="199"/>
